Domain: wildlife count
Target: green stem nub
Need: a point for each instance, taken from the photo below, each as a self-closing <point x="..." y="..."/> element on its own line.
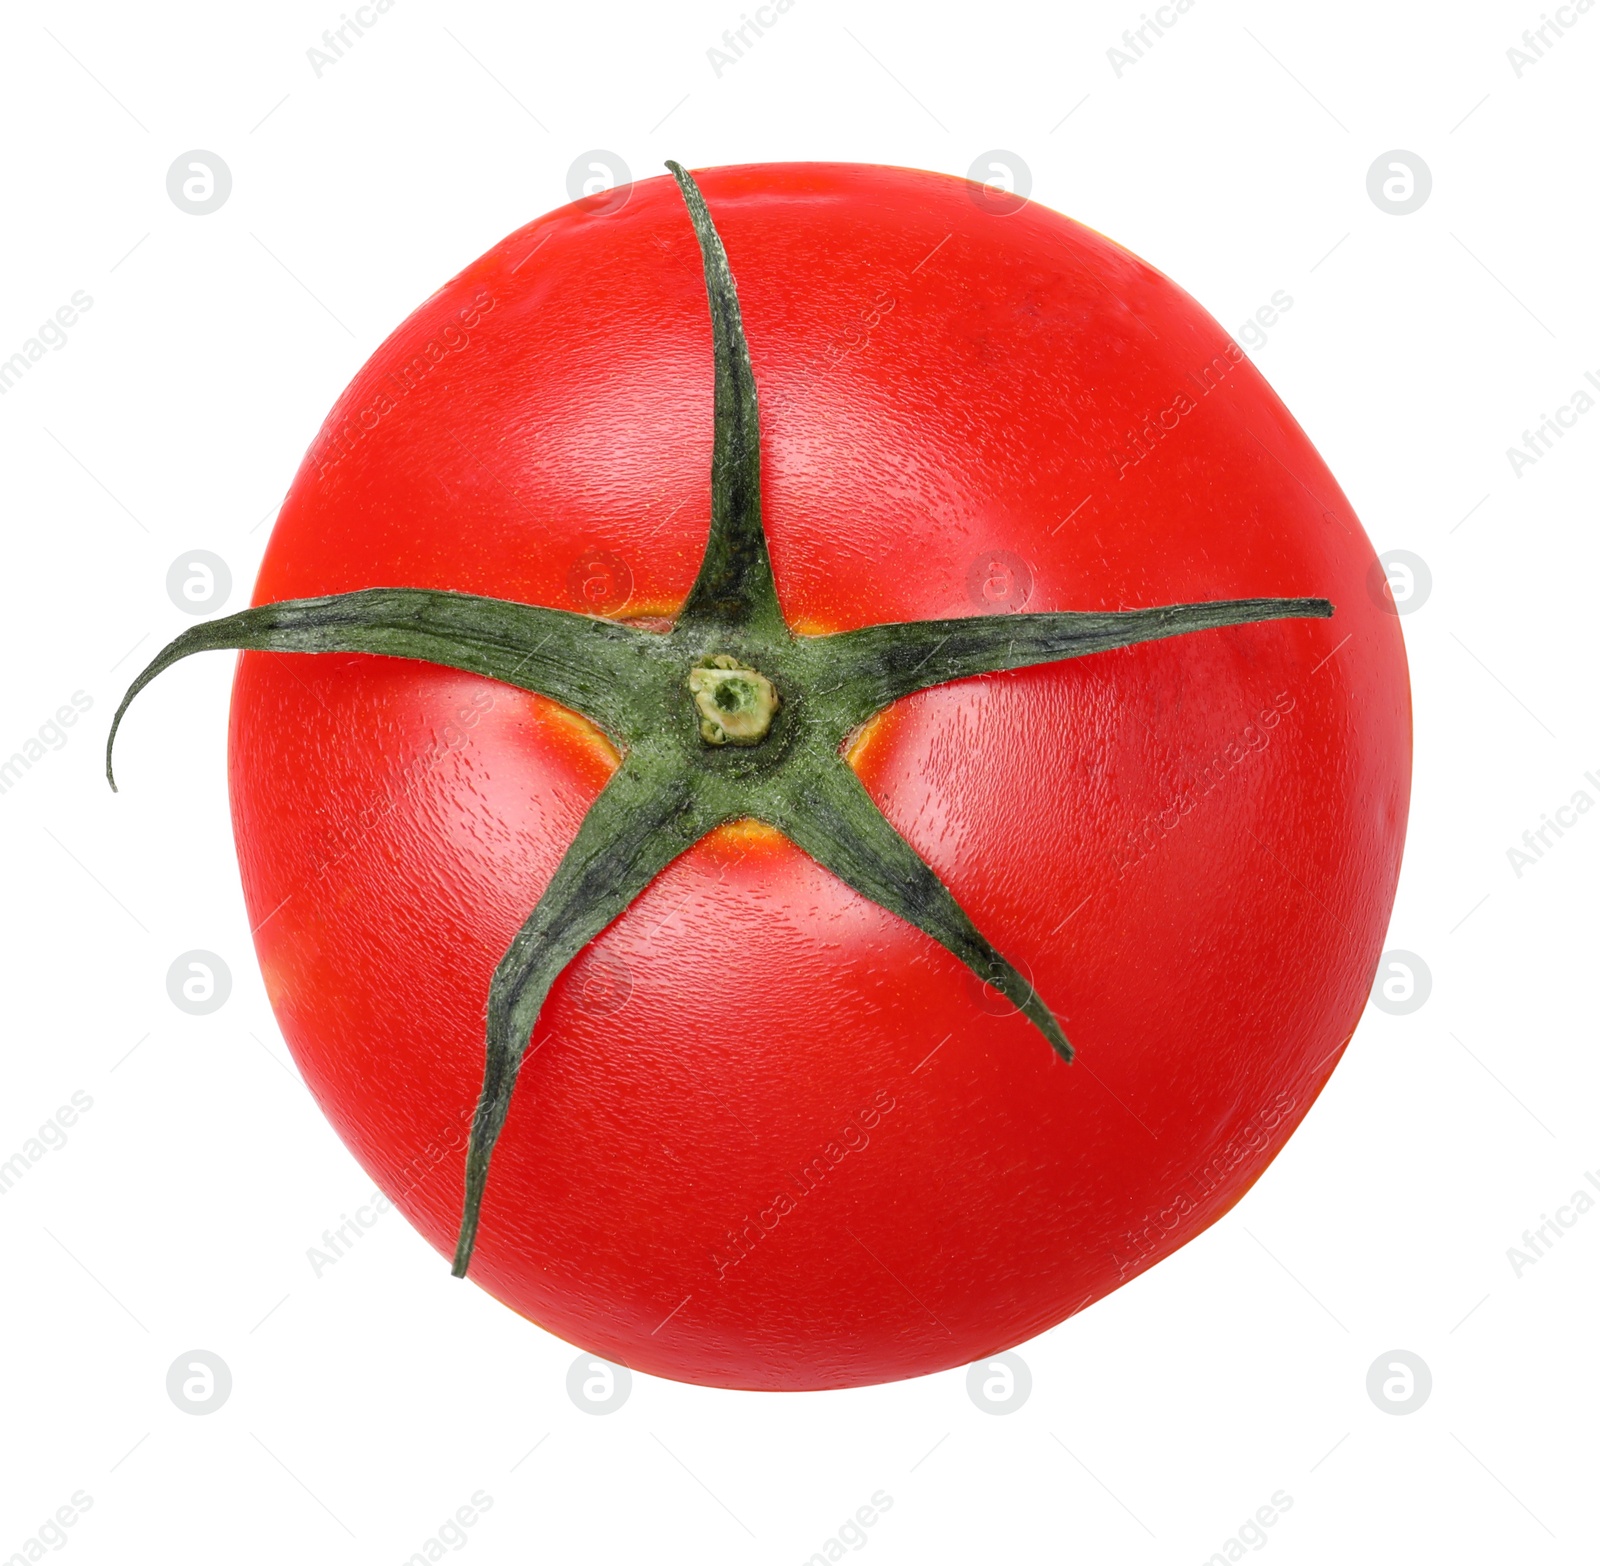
<point x="736" y="703"/>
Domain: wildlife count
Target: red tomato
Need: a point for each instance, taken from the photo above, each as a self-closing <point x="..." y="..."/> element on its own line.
<point x="767" y="1135"/>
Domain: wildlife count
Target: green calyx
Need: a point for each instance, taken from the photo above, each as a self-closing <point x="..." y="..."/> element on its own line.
<point x="727" y="716"/>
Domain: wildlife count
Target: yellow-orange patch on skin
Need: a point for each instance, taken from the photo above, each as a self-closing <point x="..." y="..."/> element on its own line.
<point x="292" y="961"/>
<point x="867" y="738"/>
<point x="812" y="627"/>
<point x="741" y="836"/>
<point x="648" y="614"/>
<point x="660" y="614"/>
<point x="278" y="988"/>
<point x="587" y="743"/>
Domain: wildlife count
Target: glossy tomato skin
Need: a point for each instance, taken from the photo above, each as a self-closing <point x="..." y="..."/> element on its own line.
<point x="759" y="1105"/>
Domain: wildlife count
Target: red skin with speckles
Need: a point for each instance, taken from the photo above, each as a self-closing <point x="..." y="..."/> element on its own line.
<point x="808" y="1135"/>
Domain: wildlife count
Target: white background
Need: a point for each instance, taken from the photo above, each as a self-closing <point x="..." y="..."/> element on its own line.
<point x="372" y="1401"/>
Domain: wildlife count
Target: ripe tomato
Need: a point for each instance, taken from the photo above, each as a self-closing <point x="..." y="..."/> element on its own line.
<point x="767" y="1135"/>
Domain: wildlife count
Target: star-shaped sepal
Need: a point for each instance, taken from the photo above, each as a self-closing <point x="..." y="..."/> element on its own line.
<point x="727" y="716"/>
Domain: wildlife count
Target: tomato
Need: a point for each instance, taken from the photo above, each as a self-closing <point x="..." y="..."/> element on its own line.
<point x="767" y="1134"/>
